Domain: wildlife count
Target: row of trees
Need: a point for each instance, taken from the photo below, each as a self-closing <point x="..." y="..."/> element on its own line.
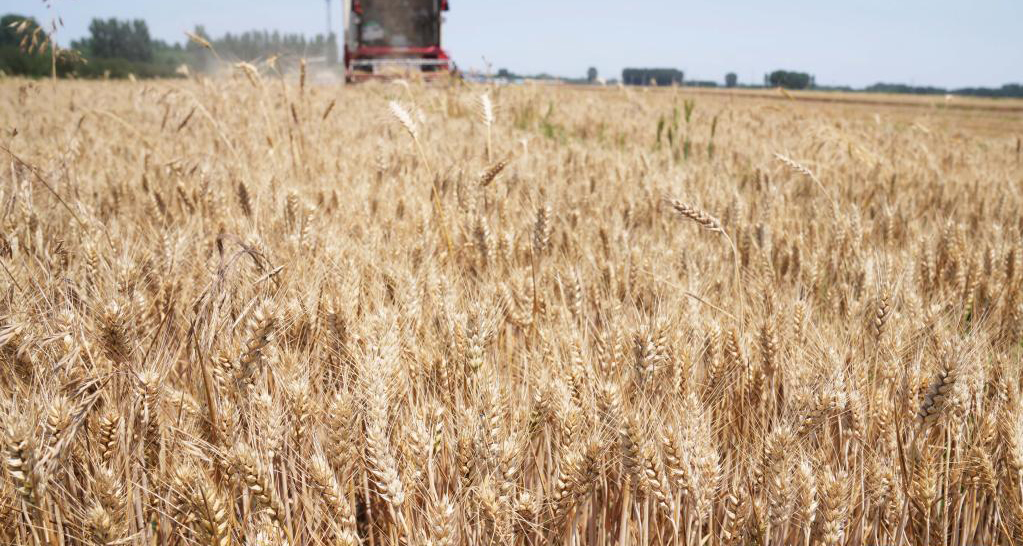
<point x="670" y="76"/>
<point x="790" y="79"/>
<point x="117" y="48"/>
<point x="114" y="39"/>
<point x="261" y="44"/>
<point x="1014" y="90"/>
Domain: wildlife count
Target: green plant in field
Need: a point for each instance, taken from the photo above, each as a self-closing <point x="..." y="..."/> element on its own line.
<point x="660" y="129"/>
<point x="713" y="132"/>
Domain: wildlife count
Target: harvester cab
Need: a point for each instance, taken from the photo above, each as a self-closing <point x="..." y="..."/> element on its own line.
<point x="394" y="39"/>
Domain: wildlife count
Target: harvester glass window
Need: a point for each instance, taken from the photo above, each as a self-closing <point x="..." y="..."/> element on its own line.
<point x="400" y="23"/>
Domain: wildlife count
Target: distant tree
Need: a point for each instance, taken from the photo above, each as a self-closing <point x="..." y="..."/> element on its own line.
<point x="22" y="48"/>
<point x="652" y="76"/>
<point x="591" y="75"/>
<point x="731" y="80"/>
<point x="503" y="73"/>
<point x="114" y="39"/>
<point x="9" y="34"/>
<point x="789" y="79"/>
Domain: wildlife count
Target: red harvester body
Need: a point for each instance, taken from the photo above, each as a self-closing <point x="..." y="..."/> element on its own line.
<point x="394" y="39"/>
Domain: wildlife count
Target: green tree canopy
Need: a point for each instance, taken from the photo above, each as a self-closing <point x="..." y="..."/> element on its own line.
<point x="115" y="39"/>
<point x="789" y="79"/>
<point x="652" y="76"/>
<point x="22" y="48"/>
<point x="9" y="33"/>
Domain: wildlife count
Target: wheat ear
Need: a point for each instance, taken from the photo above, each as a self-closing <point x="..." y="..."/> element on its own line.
<point x="710" y="223"/>
<point x="405" y="119"/>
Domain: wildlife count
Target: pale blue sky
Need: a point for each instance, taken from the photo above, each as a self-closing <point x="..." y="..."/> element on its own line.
<point x="856" y="42"/>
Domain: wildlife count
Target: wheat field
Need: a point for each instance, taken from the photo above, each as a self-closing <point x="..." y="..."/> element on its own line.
<point x="253" y="310"/>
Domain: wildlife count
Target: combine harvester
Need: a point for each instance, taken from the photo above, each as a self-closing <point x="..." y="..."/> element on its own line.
<point x="394" y="39"/>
